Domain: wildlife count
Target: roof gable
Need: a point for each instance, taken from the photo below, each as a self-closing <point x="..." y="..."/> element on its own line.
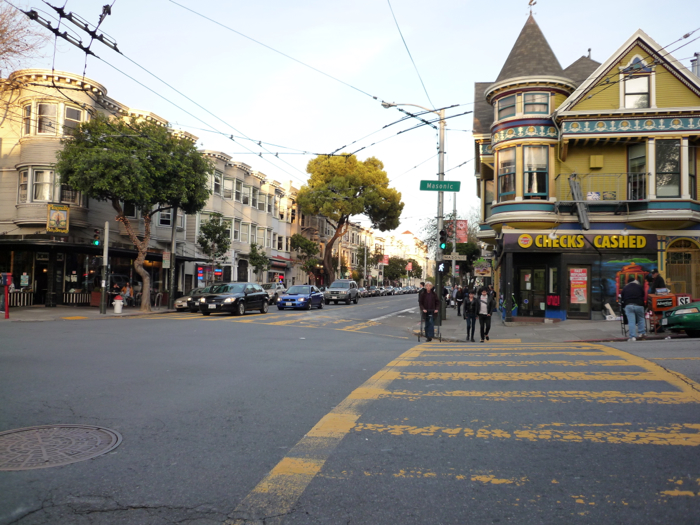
<point x="601" y="90"/>
<point x="531" y="55"/>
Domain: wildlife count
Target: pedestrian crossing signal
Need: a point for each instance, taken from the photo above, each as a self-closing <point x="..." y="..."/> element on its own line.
<point x="441" y="268"/>
<point x="443" y="239"/>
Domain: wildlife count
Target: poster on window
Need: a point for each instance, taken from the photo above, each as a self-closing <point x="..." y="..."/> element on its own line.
<point x="578" y="277"/>
<point x="57" y="218"/>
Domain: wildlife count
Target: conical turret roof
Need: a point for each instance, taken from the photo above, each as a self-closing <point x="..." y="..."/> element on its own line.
<point x="531" y="55"/>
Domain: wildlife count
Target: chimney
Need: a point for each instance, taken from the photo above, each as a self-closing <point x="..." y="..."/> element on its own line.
<point x="694" y="66"/>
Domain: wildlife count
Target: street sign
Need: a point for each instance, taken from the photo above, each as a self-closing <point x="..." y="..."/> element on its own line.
<point x="166" y="260"/>
<point x="440" y="185"/>
<point x="454" y="257"/>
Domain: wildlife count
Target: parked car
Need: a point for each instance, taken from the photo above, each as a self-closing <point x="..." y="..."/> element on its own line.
<point x="342" y="290"/>
<point x="194" y="296"/>
<point x="181" y="302"/>
<point x="274" y="291"/>
<point x="363" y="292"/>
<point x="301" y="296"/>
<point x="382" y="291"/>
<point x="683" y="317"/>
<point x="389" y="290"/>
<point x="373" y="291"/>
<point x="234" y="298"/>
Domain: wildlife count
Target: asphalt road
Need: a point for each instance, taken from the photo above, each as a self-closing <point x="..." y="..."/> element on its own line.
<point x="338" y="416"/>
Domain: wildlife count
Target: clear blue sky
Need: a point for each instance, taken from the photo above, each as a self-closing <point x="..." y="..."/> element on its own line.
<point x="271" y="98"/>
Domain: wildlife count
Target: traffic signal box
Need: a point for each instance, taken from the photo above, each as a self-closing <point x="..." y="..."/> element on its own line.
<point x="97" y="237"/>
<point x="443" y="239"/>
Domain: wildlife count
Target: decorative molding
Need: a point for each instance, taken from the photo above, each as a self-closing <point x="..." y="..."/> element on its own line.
<point x="623" y="126"/>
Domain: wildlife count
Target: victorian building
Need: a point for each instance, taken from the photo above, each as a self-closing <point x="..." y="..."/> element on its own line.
<point x="588" y="174"/>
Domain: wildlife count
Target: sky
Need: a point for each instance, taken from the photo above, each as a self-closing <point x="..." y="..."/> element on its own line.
<point x="239" y="87"/>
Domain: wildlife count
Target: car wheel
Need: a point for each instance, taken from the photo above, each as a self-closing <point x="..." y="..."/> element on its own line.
<point x="320" y="305"/>
<point x="263" y="308"/>
<point x="348" y="300"/>
<point x="240" y="308"/>
<point x="327" y="302"/>
<point x="307" y="306"/>
<point x="206" y="313"/>
<point x="692" y="333"/>
<point x="357" y="298"/>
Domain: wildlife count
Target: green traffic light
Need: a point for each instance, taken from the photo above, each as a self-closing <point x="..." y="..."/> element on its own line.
<point x="443" y="245"/>
<point x="96" y="242"/>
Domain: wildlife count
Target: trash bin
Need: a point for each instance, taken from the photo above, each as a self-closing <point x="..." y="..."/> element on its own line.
<point x="118" y="304"/>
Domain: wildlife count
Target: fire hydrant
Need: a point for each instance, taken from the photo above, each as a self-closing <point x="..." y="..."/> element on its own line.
<point x="118" y="304"/>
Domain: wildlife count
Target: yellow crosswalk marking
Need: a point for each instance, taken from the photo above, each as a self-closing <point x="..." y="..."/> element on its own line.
<point x="527" y="376"/>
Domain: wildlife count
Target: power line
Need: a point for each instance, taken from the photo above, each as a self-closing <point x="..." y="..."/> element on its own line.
<point x="414" y="167"/>
<point x="273" y="49"/>
<point x="409" y="53"/>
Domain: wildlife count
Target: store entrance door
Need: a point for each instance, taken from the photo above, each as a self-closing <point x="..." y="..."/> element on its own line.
<point x="531" y="292"/>
<point x="578" y="292"/>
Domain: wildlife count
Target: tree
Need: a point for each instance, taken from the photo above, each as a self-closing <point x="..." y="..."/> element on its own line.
<point x="20" y="38"/>
<point x="343" y="267"/>
<point x="258" y="260"/>
<point x="342" y="186"/>
<point x="138" y="162"/>
<point x="429" y="230"/>
<point x="215" y="238"/>
<point x="416" y="270"/>
<point x="306" y="250"/>
<point x="396" y="269"/>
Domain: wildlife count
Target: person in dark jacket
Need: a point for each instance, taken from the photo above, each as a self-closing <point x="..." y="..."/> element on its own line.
<point x="632" y="298"/>
<point x="459" y="299"/>
<point x="656" y="281"/>
<point x="486" y="305"/>
<point x="429" y="304"/>
<point x="471" y="310"/>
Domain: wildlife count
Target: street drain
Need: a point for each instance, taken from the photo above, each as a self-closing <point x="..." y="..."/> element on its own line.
<point x="54" y="445"/>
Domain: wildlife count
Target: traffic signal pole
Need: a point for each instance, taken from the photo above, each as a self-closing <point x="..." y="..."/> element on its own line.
<point x="105" y="254"/>
<point x="440" y="225"/>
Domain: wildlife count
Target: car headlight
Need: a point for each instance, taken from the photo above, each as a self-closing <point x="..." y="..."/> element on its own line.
<point x="203" y="300"/>
<point x="229" y="300"/>
<point x="684" y="311"/>
<point x="302" y="299"/>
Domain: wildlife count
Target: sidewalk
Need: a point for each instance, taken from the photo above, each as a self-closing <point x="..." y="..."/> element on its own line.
<point x="454" y="328"/>
<point x="71" y="313"/>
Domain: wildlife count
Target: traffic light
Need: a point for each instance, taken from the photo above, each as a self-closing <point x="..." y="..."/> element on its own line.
<point x="97" y="237"/>
<point x="443" y="239"/>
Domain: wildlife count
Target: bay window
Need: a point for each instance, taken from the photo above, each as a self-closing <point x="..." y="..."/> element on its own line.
<point x="536" y="103"/>
<point x="236" y="230"/>
<point x="536" y="172"/>
<point x="253" y="234"/>
<point x="506" y="107"/>
<point x="238" y="191"/>
<point x="27" y="119"/>
<point x="72" y="118"/>
<point x="46" y="122"/>
<point x="245" y="229"/>
<point x="262" y="202"/>
<point x="69" y="195"/>
<point x="256" y="194"/>
<point x="693" y="171"/>
<point x="23" y="185"/>
<point x="43" y="186"/>
<point x="637" y="172"/>
<point x="262" y="238"/>
<point x="217" y="183"/>
<point x="506" y="175"/>
<point x="246" y="194"/>
<point x="228" y="189"/>
<point x="668" y="168"/>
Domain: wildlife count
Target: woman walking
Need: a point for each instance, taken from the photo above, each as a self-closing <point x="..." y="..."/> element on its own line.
<point x="471" y="310"/>
<point x="486" y="306"/>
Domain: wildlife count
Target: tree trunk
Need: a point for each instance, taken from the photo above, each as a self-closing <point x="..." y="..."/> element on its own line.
<point x="142" y="248"/>
<point x="328" y="254"/>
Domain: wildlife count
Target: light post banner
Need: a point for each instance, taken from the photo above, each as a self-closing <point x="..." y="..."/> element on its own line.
<point x="409" y="267"/>
<point x="386" y="259"/>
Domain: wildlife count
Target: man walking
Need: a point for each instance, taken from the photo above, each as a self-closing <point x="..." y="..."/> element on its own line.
<point x="471" y="310"/>
<point x="632" y="298"/>
<point x="429" y="304"/>
<point x="486" y="304"/>
<point x="459" y="299"/>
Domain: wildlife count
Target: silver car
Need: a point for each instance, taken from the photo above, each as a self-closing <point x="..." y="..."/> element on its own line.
<point x="342" y="290"/>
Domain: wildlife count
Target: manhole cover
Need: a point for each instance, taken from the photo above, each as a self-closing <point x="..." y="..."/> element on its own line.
<point x="54" y="445"/>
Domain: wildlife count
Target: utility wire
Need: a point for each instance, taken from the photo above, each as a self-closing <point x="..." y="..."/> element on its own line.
<point x="409" y="53"/>
<point x="414" y="167"/>
<point x="273" y="49"/>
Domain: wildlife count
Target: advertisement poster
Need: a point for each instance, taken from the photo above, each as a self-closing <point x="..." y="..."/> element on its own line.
<point x="482" y="269"/>
<point x="409" y="267"/>
<point x="462" y="230"/>
<point x="386" y="260"/>
<point x="578" y="277"/>
<point x="57" y="219"/>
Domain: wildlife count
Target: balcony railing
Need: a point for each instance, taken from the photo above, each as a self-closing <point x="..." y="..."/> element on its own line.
<point x="604" y="186"/>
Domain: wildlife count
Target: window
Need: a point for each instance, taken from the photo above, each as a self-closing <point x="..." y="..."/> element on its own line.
<point x="274" y="240"/>
<point x="268" y="240"/>
<point x="536" y="103"/>
<point x="637" y="172"/>
<point x="668" y="168"/>
<point x="536" y="172"/>
<point x="228" y="189"/>
<point x="262" y="202"/>
<point x="693" y="171"/>
<point x="280" y="242"/>
<point x="270" y="200"/>
<point x="72" y="119"/>
<point x="245" y="228"/>
<point x="488" y="198"/>
<point x="164" y="217"/>
<point x="236" y="230"/>
<point x="288" y="248"/>
<point x="217" y="183"/>
<point x="43" y="185"/>
<point x="129" y="209"/>
<point x="637" y="91"/>
<point x="23" y="185"/>
<point x="69" y="195"/>
<point x="246" y="194"/>
<point x="227" y="231"/>
<point x="506" y="175"/>
<point x="262" y="238"/>
<point x="239" y="190"/>
<point x="294" y="215"/>
<point x="27" y="119"/>
<point x="256" y="194"/>
<point x="253" y="234"/>
<point x="506" y="107"/>
<point x="47" y="119"/>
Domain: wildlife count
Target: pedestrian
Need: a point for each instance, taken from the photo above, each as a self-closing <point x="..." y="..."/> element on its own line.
<point x="446" y="294"/>
<point x="127" y="292"/>
<point x="485" y="308"/>
<point x="471" y="310"/>
<point x="459" y="299"/>
<point x="632" y="298"/>
<point x="656" y="281"/>
<point x="421" y="291"/>
<point x="454" y="296"/>
<point x="429" y="304"/>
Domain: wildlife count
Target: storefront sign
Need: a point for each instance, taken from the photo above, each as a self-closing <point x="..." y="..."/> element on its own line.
<point x="24" y="279"/>
<point x="553" y="300"/>
<point x="578" y="277"/>
<point x="579" y="242"/>
<point x="57" y="218"/>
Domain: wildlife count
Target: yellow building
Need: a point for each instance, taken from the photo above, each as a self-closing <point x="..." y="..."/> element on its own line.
<point x="587" y="174"/>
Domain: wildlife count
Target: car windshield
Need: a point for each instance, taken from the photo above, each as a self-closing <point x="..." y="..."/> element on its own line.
<point x="299" y="290"/>
<point x="228" y="288"/>
<point x="339" y="284"/>
<point x="267" y="286"/>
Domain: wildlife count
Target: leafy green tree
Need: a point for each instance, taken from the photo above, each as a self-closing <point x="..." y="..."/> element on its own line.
<point x="342" y="186"/>
<point x="416" y="270"/>
<point x="343" y="267"/>
<point x="429" y="229"/>
<point x="306" y="250"/>
<point x="258" y="260"/>
<point x="140" y="162"/>
<point x="215" y="238"/>
<point x="396" y="269"/>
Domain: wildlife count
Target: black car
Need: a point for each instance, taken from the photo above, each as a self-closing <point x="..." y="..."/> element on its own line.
<point x="195" y="295"/>
<point x="234" y="298"/>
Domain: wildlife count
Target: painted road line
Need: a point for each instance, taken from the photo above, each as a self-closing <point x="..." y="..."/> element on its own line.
<point x="526" y="376"/>
<point x="598" y="362"/>
<point x="674" y="358"/>
<point x="279" y="490"/>
<point x="514" y="354"/>
<point x="74" y="318"/>
<point x="394" y="313"/>
<point x="655" y="398"/>
<point x="687" y="435"/>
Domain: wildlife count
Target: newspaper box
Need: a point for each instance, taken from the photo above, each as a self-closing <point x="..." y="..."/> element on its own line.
<point x="657" y="305"/>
